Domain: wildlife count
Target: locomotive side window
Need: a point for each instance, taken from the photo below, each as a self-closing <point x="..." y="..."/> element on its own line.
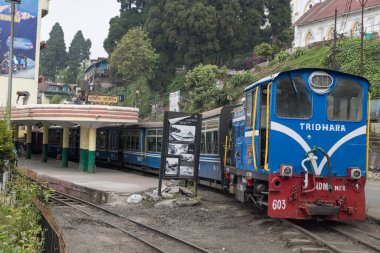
<point x="249" y="103"/>
<point x="154" y="139"/>
<point x="209" y="140"/>
<point x="345" y="102"/>
<point x="293" y="99"/>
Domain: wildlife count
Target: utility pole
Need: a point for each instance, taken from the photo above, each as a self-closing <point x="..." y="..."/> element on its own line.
<point x="10" y="60"/>
<point x="362" y="3"/>
<point x="334" y="49"/>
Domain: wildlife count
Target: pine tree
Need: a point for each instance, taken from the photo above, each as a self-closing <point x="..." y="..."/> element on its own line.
<point x="79" y="52"/>
<point x="54" y="57"/>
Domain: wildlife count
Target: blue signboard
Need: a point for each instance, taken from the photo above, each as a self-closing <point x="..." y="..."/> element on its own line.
<point x="25" y="38"/>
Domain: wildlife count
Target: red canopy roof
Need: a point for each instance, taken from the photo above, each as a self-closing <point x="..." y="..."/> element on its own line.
<point x="327" y="8"/>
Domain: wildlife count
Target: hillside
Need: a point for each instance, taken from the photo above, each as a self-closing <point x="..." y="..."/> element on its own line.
<point x="314" y="57"/>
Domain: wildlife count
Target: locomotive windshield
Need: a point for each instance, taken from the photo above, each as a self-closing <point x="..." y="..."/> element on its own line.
<point x="345" y="102"/>
<point x="293" y="99"/>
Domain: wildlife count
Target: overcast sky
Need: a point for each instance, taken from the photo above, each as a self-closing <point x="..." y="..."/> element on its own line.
<point x="90" y="16"/>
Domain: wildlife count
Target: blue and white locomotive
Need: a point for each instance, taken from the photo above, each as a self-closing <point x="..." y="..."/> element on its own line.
<point x="301" y="145"/>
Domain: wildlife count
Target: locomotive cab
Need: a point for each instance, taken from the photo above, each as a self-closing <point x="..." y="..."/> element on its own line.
<point x="304" y="149"/>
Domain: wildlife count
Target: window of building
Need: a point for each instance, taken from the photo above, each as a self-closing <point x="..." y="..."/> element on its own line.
<point x="52" y="87"/>
<point x="154" y="140"/>
<point x="131" y="139"/>
<point x="209" y="139"/>
<point x="345" y="103"/>
<point x="293" y="99"/>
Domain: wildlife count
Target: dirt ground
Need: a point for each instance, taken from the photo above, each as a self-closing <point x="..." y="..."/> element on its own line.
<point x="219" y="223"/>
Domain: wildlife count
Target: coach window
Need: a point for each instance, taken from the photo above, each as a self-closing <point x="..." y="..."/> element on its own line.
<point x="101" y="140"/>
<point x="249" y="103"/>
<point x="154" y="140"/>
<point x="55" y="137"/>
<point x="113" y="139"/>
<point x="293" y="100"/>
<point x="346" y="101"/>
<point x="209" y="140"/>
<point x="131" y="139"/>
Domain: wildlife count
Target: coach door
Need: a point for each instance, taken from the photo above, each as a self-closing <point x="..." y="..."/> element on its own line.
<point x="264" y="103"/>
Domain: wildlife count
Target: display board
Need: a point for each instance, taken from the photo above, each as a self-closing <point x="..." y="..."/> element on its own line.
<point x="180" y="146"/>
<point x="25" y="38"/>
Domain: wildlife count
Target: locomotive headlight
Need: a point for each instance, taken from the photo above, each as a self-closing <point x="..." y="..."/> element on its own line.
<point x="286" y="170"/>
<point x="354" y="173"/>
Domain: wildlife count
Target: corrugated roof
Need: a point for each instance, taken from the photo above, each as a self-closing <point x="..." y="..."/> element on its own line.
<point x="327" y="8"/>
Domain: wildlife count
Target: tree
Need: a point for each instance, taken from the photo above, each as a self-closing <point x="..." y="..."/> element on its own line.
<point x="6" y="143"/>
<point x="134" y="57"/>
<point x="279" y="18"/>
<point x="131" y="16"/>
<point x="203" y="94"/>
<point x="79" y="52"/>
<point x="264" y="49"/>
<point x="54" y="57"/>
<point x="56" y="99"/>
<point x="235" y="86"/>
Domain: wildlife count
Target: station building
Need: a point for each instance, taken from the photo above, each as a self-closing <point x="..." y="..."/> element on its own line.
<point x="314" y="20"/>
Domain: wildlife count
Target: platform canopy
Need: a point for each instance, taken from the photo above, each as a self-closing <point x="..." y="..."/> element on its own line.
<point x="91" y="116"/>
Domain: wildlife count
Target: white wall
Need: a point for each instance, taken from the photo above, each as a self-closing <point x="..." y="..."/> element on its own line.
<point x="321" y="29"/>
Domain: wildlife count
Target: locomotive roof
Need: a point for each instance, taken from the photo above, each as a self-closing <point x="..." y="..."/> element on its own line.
<point x="274" y="76"/>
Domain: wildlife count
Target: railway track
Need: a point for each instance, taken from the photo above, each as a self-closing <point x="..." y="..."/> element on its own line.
<point x="340" y="237"/>
<point x="154" y="238"/>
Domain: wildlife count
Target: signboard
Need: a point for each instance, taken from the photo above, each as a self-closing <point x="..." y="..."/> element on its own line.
<point x="25" y="37"/>
<point x="180" y="146"/>
<point x="102" y="100"/>
<point x="174" y="99"/>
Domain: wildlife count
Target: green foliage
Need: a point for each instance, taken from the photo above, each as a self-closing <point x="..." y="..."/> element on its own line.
<point x="19" y="219"/>
<point x="143" y="99"/>
<point x="235" y="86"/>
<point x="6" y="143"/>
<point x="299" y="52"/>
<point x="178" y="82"/>
<point x="264" y="49"/>
<point x="79" y="52"/>
<point x="203" y="94"/>
<point x="348" y="60"/>
<point x="134" y="57"/>
<point x="279" y="17"/>
<point x="54" y="57"/>
<point x="282" y="56"/>
<point x="131" y="16"/>
<point x="56" y="99"/>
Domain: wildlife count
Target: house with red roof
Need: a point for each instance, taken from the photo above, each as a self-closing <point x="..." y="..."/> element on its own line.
<point x="317" y="22"/>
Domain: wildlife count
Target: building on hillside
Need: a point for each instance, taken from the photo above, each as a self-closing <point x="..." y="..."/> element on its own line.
<point x="46" y="90"/>
<point x="300" y="7"/>
<point x="317" y="24"/>
<point x="97" y="75"/>
<point x="26" y="51"/>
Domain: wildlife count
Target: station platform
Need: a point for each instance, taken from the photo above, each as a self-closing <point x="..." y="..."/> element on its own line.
<point x="95" y="188"/>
